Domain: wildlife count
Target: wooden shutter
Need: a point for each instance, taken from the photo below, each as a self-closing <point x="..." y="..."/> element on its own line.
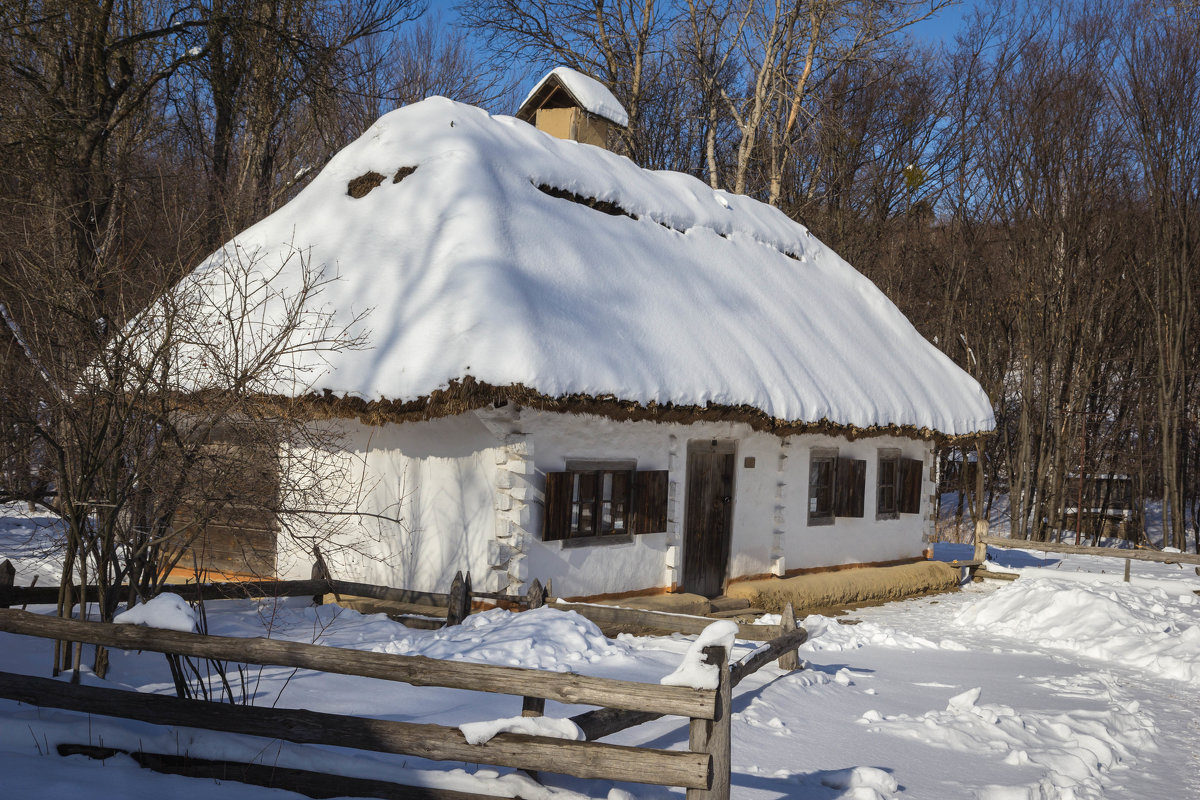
<point x="556" y="523"/>
<point x="650" y="501"/>
<point x="850" y="488"/>
<point x="909" y="493"/>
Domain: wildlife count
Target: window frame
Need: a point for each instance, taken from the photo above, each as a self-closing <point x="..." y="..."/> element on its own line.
<point x="579" y="469"/>
<point x="887" y="455"/>
<point x="827" y="459"/>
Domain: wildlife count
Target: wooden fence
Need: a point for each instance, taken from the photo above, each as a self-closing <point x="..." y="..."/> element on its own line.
<point x="703" y="769"/>
<point x="1112" y="552"/>
<point x="457" y="602"/>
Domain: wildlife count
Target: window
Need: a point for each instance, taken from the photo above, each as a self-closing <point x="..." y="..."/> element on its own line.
<point x="604" y="501"/>
<point x="888" y="479"/>
<point x="821" y="467"/>
<point x="599" y="502"/>
<point x="836" y="487"/>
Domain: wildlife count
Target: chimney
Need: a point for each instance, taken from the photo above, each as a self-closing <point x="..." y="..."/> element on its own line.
<point x="571" y="105"/>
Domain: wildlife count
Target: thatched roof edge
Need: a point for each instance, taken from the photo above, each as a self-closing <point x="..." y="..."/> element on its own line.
<point x="468" y="394"/>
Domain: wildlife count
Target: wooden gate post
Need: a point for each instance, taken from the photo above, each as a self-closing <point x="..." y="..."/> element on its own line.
<point x="715" y="736"/>
<point x="8" y="575"/>
<point x="460" y="599"/>
<point x="789" y="660"/>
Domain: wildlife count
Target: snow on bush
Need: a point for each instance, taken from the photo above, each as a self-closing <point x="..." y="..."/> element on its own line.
<point x="1144" y="628"/>
<point x="168" y="611"/>
<point x="542" y="638"/>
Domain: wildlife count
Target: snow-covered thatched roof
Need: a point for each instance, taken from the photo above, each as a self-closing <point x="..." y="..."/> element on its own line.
<point x="497" y="261"/>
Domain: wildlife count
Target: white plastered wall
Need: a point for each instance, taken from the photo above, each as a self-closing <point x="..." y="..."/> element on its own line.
<point x="416" y="503"/>
<point x="469" y="492"/>
<point x="851" y="540"/>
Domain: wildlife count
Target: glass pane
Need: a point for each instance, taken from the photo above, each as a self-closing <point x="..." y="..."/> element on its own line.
<point x="607" y="489"/>
<point x="606" y="518"/>
<point x="587" y="487"/>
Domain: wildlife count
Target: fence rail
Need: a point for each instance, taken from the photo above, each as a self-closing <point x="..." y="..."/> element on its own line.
<point x="414" y="670"/>
<point x="703" y="769"/>
<point x="1112" y="552"/>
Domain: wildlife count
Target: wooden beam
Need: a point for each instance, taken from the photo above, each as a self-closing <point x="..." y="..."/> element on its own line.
<point x="776" y="648"/>
<point x="606" y="721"/>
<point x="301" y="781"/>
<point x="1111" y="552"/>
<point x="46" y="595"/>
<point x="435" y="742"/>
<point x="415" y="670"/>
<point x="661" y="620"/>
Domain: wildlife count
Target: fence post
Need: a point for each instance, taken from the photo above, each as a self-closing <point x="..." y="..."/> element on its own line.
<point x="460" y="599"/>
<point x="8" y="575"/>
<point x="536" y="596"/>
<point x="789" y="660"/>
<point x="715" y="736"/>
<point x="320" y="572"/>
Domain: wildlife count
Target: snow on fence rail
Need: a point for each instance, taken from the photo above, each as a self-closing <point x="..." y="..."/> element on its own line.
<point x="1112" y="552"/>
<point x="703" y="769"/>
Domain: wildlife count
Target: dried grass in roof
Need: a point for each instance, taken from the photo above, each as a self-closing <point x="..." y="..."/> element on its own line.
<point x="468" y="394"/>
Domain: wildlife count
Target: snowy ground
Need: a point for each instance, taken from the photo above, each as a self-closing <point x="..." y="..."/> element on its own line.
<point x="1067" y="683"/>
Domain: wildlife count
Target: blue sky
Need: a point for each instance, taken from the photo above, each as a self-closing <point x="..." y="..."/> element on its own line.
<point x="941" y="27"/>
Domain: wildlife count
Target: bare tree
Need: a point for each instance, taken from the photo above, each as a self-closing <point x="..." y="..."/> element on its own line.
<point x="1160" y="100"/>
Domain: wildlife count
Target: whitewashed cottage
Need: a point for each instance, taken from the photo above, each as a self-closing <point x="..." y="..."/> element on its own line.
<point x="613" y="378"/>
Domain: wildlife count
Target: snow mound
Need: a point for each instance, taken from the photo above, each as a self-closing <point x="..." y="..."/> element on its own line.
<point x="1073" y="748"/>
<point x="826" y="633"/>
<point x="168" y="611"/>
<point x="542" y="638"/>
<point x="1144" y="628"/>
<point x="481" y="732"/>
<point x="486" y="250"/>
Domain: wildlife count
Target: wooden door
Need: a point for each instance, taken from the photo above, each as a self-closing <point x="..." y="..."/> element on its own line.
<point x="708" y="516"/>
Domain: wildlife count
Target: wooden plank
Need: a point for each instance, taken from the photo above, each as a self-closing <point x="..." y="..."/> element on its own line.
<point x="301" y="781"/>
<point x="556" y="520"/>
<point x="662" y="620"/>
<point x="997" y="576"/>
<point x="768" y="653"/>
<point x="650" y="501"/>
<point x="435" y="742"/>
<point x="45" y="595"/>
<point x="1110" y="552"/>
<point x="415" y="670"/>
